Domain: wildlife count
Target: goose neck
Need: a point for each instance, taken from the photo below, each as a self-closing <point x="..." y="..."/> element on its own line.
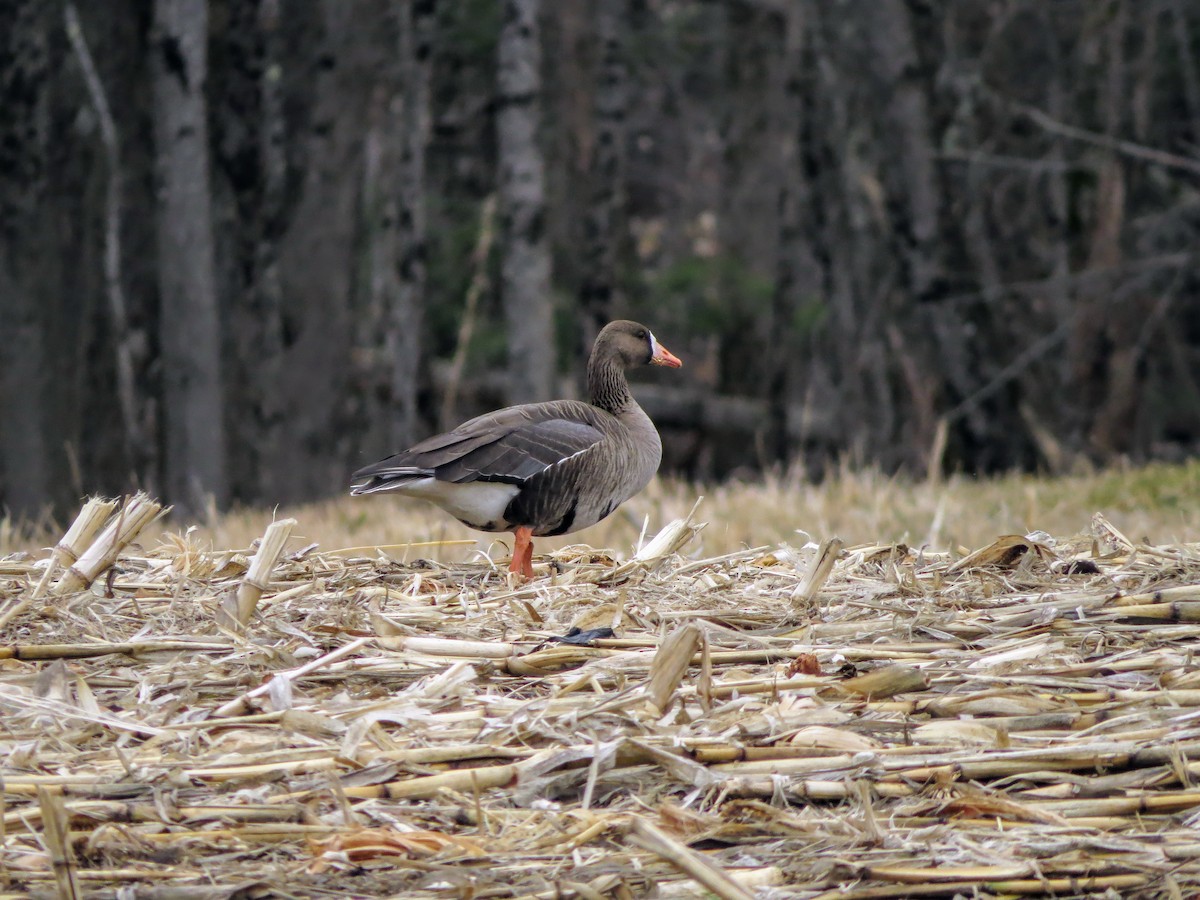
<point x="607" y="385"/>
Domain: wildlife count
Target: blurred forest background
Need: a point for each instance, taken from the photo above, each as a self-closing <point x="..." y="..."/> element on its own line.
<point x="249" y="245"/>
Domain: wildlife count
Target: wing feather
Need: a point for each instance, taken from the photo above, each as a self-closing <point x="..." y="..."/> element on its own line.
<point x="510" y="446"/>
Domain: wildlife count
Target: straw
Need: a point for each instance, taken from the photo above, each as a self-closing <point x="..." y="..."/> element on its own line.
<point x="135" y="514"/>
<point x="671" y="720"/>
<point x="256" y="580"/>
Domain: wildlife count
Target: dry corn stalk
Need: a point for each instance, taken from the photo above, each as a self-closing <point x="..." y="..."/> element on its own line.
<point x="1163" y="595"/>
<point x="673" y="536"/>
<point x="240" y="705"/>
<point x="887" y="681"/>
<point x="255" y="582"/>
<point x="751" y="879"/>
<point x="78" y="538"/>
<point x="135" y="514"/>
<point x="56" y="833"/>
<point x="648" y="836"/>
<point x="820" y="570"/>
<point x="670" y="663"/>
<point x="670" y="540"/>
<point x="1106" y="531"/>
<point x="435" y="646"/>
<point x="66" y="551"/>
<point x="440" y="710"/>
<point x="83" y="651"/>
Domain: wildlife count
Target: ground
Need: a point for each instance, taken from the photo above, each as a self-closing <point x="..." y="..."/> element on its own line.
<point x="794" y="719"/>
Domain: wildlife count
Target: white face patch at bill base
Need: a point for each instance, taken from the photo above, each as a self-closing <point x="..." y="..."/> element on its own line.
<point x="654" y="348"/>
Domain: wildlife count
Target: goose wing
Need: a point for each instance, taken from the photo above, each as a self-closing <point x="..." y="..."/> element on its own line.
<point x="510" y="446"/>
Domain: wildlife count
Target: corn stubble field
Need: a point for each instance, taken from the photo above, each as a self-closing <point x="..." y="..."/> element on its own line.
<point x="866" y="688"/>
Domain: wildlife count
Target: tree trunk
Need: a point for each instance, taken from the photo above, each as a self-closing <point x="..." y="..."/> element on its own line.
<point x="23" y="487"/>
<point x="407" y="280"/>
<point x="250" y="202"/>
<point x="524" y="250"/>
<point x="1119" y="313"/>
<point x="896" y="64"/>
<point x="24" y="83"/>
<point x="1182" y="33"/>
<point x="843" y="362"/>
<point x="914" y="202"/>
<point x="129" y="342"/>
<point x="254" y="157"/>
<point x="1057" y="211"/>
<point x="394" y="230"/>
<point x="798" y="272"/>
<point x="320" y="264"/>
<point x="194" y="461"/>
<point x="603" y="219"/>
<point x="267" y="297"/>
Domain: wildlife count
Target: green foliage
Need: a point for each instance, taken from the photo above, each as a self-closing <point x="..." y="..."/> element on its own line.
<point x="453" y="234"/>
<point x="1159" y="486"/>
<point x="566" y="336"/>
<point x="709" y="295"/>
<point x="489" y="345"/>
<point x="809" y="316"/>
<point x="471" y="27"/>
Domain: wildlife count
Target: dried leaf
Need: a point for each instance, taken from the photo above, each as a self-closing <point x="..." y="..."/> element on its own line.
<point x="832" y="739"/>
<point x="366" y="844"/>
<point x="1004" y="552"/>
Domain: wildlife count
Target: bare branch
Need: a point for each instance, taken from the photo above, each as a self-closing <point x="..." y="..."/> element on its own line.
<point x="1128" y="148"/>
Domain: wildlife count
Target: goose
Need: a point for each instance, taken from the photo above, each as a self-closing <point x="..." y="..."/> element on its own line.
<point x="540" y="469"/>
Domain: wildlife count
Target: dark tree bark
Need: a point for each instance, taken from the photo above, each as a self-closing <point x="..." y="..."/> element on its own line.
<point x="798" y="293"/>
<point x="1057" y="217"/>
<point x="843" y="373"/>
<point x="524" y="249"/>
<point x="914" y="204"/>
<point x="253" y="207"/>
<point x="1119" y="317"/>
<point x="406" y="281"/>
<point x="24" y="241"/>
<point x="190" y="334"/>
<point x="394" y="225"/>
<point x="603" y="220"/>
<point x="895" y="59"/>
<point x="267" y="296"/>
<point x="24" y="487"/>
<point x="320" y="264"/>
<point x="141" y="452"/>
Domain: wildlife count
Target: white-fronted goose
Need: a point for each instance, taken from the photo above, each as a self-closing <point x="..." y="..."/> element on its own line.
<point x="540" y="468"/>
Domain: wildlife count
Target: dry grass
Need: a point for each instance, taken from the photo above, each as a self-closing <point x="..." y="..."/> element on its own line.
<point x="808" y="722"/>
<point x="1161" y="503"/>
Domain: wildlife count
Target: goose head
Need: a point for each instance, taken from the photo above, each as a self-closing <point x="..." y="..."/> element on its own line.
<point x="630" y="344"/>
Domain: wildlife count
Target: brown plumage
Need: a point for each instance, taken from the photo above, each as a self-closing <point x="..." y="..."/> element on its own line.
<point x="540" y="468"/>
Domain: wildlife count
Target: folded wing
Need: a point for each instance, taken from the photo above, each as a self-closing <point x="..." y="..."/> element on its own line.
<point x="510" y="447"/>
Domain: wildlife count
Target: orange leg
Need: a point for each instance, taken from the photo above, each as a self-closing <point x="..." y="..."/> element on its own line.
<point x="527" y="561"/>
<point x="522" y="558"/>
